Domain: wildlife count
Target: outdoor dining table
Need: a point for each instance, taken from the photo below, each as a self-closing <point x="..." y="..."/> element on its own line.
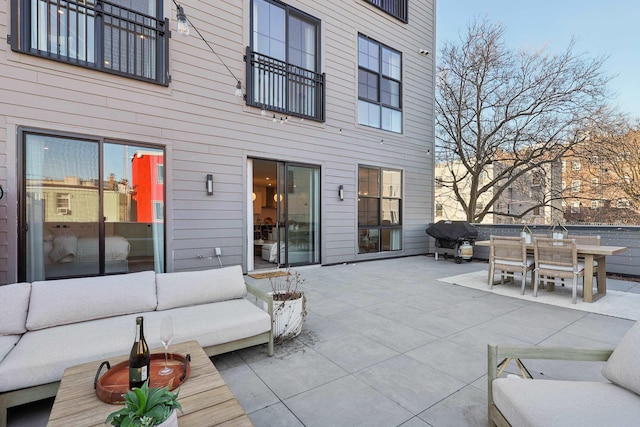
<point x="589" y="253"/>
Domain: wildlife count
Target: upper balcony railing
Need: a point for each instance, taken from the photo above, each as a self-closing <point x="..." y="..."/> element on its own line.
<point x="94" y="34"/>
<point x="275" y="85"/>
<point x="395" y="8"/>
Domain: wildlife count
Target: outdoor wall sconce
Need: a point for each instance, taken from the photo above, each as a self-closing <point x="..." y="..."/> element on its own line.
<point x="209" y="185"/>
<point x="341" y="193"/>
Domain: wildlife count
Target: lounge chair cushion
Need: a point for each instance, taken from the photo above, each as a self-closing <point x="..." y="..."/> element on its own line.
<point x="13" y="316"/>
<point x="623" y="367"/>
<point x="550" y="403"/>
<point x="199" y="287"/>
<point x="60" y="302"/>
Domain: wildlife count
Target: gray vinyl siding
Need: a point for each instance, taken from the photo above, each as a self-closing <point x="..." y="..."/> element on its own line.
<point x="206" y="130"/>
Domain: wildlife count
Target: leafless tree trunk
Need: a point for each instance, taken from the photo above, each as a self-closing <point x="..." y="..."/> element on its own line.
<point x="522" y="109"/>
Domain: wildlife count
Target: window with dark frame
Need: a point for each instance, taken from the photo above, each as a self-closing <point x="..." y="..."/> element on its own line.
<point x="396" y="8"/>
<point x="379" y="85"/>
<point x="379" y="210"/>
<point x="124" y="37"/>
<point x="283" y="61"/>
<point x="73" y="221"/>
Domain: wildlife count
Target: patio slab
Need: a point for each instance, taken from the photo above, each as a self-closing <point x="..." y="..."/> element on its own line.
<point x="388" y="343"/>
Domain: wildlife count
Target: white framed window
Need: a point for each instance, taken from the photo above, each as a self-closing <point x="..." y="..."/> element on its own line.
<point x="160" y="174"/>
<point x="623" y="204"/>
<point x="575" y="186"/>
<point x="564" y="166"/>
<point x="576" y="165"/>
<point x="63" y="204"/>
<point x="158" y="210"/>
<point x="439" y="209"/>
<point x="595" y="183"/>
<point x="594" y="204"/>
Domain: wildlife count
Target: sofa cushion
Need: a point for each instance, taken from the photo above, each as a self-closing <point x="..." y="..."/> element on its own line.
<point x="59" y="302"/>
<point x="41" y="356"/>
<point x="15" y="305"/>
<point x="187" y="288"/>
<point x="623" y="367"/>
<point x="550" y="403"/>
<point x="7" y="342"/>
<point x="210" y="324"/>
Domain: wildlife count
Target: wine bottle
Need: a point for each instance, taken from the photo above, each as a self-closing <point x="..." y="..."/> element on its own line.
<point x="139" y="357"/>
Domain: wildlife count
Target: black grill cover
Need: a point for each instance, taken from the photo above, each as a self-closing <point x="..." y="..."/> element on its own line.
<point x="452" y="230"/>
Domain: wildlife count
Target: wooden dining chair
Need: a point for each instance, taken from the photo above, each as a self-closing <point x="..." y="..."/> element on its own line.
<point x="555" y="260"/>
<point x="509" y="255"/>
<point x="591" y="241"/>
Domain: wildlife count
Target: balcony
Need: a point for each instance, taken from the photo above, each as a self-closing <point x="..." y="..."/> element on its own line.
<point x="395" y="8"/>
<point x="285" y="88"/>
<point x="96" y="34"/>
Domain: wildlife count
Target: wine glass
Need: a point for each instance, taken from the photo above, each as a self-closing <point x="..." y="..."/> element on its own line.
<point x="166" y="336"/>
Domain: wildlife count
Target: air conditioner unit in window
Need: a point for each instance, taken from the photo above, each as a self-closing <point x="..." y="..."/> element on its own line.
<point x="63" y="211"/>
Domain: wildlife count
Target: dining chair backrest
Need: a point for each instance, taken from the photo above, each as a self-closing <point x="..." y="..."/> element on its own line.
<point x="510" y="250"/>
<point x="586" y="240"/>
<point x="556" y="257"/>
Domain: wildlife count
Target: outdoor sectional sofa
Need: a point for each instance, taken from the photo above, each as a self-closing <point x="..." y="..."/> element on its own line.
<point x="549" y="403"/>
<point x="48" y="326"/>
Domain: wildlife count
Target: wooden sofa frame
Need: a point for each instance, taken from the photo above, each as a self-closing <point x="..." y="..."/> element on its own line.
<point x="497" y="353"/>
<point x="23" y="396"/>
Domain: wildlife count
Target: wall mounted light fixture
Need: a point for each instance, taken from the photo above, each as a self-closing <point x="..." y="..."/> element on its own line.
<point x="341" y="193"/>
<point x="209" y="185"/>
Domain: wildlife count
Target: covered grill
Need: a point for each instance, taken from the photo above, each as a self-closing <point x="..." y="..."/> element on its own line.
<point x="453" y="238"/>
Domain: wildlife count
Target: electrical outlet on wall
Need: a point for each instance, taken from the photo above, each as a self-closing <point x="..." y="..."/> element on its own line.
<point x="218" y="251"/>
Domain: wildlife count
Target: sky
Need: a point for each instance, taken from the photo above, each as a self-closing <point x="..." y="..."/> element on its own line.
<point x="609" y="28"/>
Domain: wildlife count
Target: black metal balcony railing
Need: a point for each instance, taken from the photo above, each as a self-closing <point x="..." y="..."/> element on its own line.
<point x="93" y="34"/>
<point x="395" y="8"/>
<point x="285" y="88"/>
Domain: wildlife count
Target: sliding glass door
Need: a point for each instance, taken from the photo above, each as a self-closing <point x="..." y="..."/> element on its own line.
<point x="286" y="213"/>
<point x="89" y="207"/>
<point x="299" y="212"/>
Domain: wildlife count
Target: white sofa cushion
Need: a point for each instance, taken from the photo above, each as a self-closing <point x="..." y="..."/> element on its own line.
<point x="623" y="367"/>
<point x="60" y="302"/>
<point x="210" y="324"/>
<point x="187" y="288"/>
<point x="15" y="305"/>
<point x="550" y="403"/>
<point x="41" y="356"/>
<point x="7" y="342"/>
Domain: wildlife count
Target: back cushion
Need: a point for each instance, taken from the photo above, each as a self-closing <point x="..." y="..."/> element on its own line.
<point x="623" y="367"/>
<point x="58" y="302"/>
<point x="14" y="300"/>
<point x="199" y="287"/>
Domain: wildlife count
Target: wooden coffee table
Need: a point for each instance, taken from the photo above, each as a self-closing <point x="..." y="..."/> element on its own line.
<point x="205" y="398"/>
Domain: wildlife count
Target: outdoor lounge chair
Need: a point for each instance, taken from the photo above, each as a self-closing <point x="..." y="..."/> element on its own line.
<point x="556" y="403"/>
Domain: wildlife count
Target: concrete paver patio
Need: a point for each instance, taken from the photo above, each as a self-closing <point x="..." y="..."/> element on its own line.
<point x="385" y="343"/>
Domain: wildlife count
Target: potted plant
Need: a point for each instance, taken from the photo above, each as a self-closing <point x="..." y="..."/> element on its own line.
<point x="147" y="407"/>
<point x="289" y="305"/>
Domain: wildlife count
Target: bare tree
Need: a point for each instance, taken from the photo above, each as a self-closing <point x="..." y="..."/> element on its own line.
<point x="611" y="159"/>
<point x="521" y="108"/>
